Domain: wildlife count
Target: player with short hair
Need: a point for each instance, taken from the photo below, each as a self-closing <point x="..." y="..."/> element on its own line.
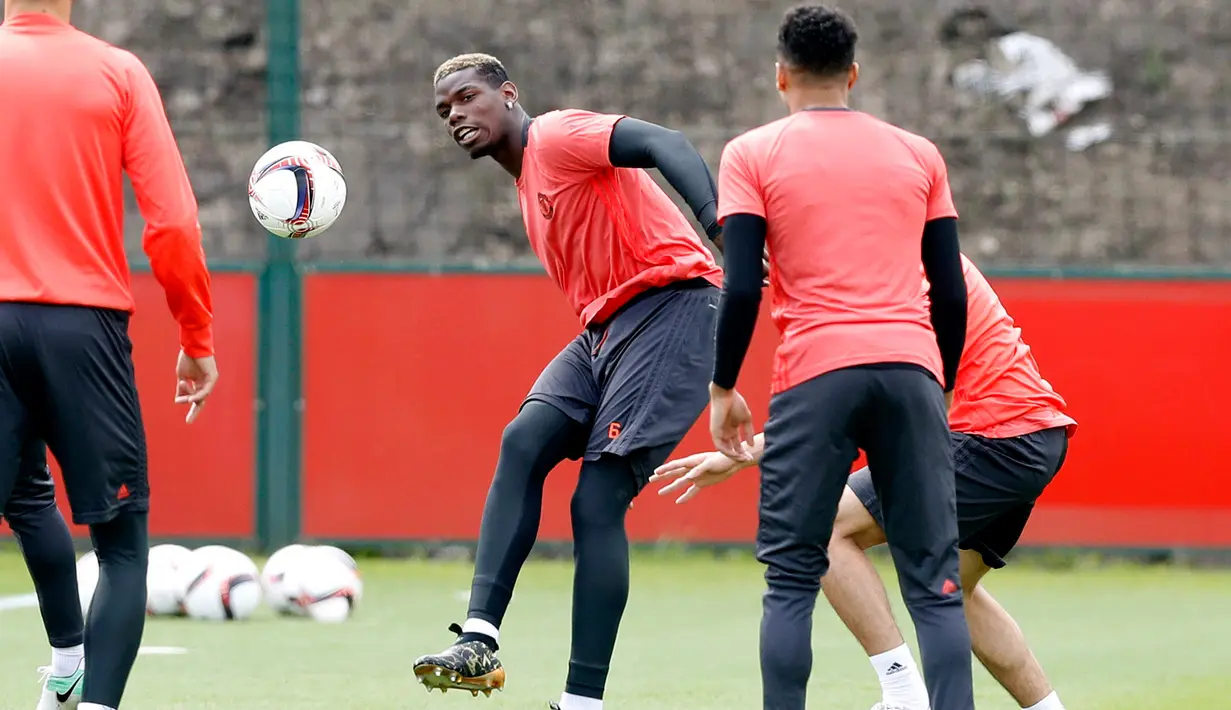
<point x="624" y="392"/>
<point x="1010" y="437"/>
<point x="850" y="208"/>
<point x="78" y="114"/>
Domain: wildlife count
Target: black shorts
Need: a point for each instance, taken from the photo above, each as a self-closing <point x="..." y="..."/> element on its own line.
<point x="639" y="381"/>
<point x="998" y="481"/>
<point x="66" y="380"/>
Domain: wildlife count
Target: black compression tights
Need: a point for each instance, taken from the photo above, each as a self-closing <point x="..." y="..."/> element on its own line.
<point x="537" y="440"/>
<point x="117" y="614"/>
<point x="47" y="547"/>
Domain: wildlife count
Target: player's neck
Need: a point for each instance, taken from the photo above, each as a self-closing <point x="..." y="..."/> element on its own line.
<point x="59" y="9"/>
<point x="814" y="98"/>
<point x="512" y="153"/>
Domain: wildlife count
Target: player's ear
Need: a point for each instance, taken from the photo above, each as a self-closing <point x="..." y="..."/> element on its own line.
<point x="781" y="76"/>
<point x="853" y="76"/>
<point x="508" y="92"/>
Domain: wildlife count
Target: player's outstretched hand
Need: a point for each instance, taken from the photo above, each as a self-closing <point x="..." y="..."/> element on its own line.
<point x="194" y="382"/>
<point x="731" y="423"/>
<point x="695" y="472"/>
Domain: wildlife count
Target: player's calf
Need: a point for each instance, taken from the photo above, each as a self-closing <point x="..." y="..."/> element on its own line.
<point x="466" y="665"/>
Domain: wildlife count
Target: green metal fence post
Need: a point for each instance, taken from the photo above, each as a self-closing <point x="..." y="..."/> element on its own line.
<point x="279" y="450"/>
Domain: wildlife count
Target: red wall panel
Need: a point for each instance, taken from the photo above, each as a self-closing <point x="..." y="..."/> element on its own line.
<point x="201" y="476"/>
<point x="410" y="379"/>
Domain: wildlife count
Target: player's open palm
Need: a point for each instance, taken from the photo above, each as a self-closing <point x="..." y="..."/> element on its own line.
<point x="731" y="423"/>
<point x="692" y="473"/>
<point x="195" y="378"/>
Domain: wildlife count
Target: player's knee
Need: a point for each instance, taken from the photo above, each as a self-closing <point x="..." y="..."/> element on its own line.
<point x="604" y="490"/>
<point x="123" y="540"/>
<point x="854" y="525"/>
<point x="518" y="439"/>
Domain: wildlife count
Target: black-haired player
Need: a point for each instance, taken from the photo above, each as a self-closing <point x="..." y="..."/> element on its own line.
<point x="624" y="392"/>
<point x="851" y="208"/>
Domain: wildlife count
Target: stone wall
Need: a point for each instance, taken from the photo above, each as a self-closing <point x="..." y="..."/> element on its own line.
<point x="1158" y="193"/>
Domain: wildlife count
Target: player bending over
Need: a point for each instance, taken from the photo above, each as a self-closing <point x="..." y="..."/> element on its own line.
<point x="850" y="208"/>
<point x="77" y="113"/>
<point x="1010" y="435"/>
<point x="624" y="392"/>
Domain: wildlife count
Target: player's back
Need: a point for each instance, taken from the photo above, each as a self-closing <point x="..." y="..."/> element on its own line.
<point x="62" y="130"/>
<point x="1000" y="391"/>
<point x="846" y="198"/>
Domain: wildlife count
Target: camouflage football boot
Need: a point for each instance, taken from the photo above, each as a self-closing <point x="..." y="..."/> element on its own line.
<point x="466" y="665"/>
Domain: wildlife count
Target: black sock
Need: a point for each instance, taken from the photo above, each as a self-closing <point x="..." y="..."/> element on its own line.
<point x="117" y="614"/>
<point x="481" y="638"/>
<point x="47" y="547"/>
<point x="537" y="439"/>
<point x="600" y="580"/>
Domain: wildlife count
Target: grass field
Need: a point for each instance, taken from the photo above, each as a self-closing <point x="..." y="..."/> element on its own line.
<point x="1112" y="638"/>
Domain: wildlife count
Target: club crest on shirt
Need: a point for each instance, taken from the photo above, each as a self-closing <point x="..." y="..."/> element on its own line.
<point x="546" y="207"/>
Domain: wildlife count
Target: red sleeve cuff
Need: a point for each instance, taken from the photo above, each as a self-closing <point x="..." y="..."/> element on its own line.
<point x="197" y="341"/>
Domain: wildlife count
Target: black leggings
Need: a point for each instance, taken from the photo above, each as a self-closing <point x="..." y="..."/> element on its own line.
<point x="538" y="439"/>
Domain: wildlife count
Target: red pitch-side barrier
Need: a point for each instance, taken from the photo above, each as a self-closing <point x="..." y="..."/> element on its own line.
<point x="410" y="379"/>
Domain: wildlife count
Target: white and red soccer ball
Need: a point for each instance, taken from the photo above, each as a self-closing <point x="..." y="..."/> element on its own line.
<point x="297" y="190"/>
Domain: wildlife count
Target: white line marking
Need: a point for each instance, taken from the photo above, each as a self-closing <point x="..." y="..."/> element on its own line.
<point x="162" y="651"/>
<point x="19" y="601"/>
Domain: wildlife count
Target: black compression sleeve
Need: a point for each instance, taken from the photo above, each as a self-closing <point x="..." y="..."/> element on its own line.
<point x="942" y="264"/>
<point x="744" y="235"/>
<point x="639" y="144"/>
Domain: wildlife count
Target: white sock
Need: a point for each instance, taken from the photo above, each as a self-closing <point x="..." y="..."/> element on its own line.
<point x="479" y="626"/>
<point x="64" y="661"/>
<point x="1051" y="702"/>
<point x="578" y="702"/>
<point x="92" y="706"/>
<point x="901" y="683"/>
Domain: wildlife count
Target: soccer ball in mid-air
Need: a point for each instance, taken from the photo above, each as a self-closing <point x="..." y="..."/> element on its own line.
<point x="297" y="190"/>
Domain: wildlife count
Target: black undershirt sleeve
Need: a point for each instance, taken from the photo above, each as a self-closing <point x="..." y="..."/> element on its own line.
<point x="942" y="264"/>
<point x="744" y="235"/>
<point x="639" y="144"/>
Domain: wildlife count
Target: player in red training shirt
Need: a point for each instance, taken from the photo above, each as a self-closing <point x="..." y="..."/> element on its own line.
<point x="78" y="114"/>
<point x="850" y="208"/>
<point x="1010" y="436"/>
<point x="624" y="392"/>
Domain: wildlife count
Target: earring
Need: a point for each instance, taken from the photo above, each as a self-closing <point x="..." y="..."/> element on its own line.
<point x="508" y="105"/>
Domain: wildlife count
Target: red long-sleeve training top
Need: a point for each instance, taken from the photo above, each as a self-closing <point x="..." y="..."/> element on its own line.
<point x="76" y="114"/>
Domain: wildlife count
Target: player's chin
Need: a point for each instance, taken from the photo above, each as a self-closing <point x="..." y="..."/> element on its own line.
<point x="479" y="150"/>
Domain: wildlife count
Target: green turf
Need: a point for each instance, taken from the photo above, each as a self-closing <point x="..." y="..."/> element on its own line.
<point x="1117" y="638"/>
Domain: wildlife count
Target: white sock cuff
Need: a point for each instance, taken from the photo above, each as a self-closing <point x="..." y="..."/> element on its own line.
<point x="480" y="626"/>
<point x="885" y="663"/>
<point x="1051" y="702"/>
<point x="579" y="702"/>
<point x="65" y="661"/>
<point x="92" y="706"/>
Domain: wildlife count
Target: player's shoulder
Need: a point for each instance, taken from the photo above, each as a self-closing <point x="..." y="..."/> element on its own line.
<point x="756" y="140"/>
<point x="566" y="119"/>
